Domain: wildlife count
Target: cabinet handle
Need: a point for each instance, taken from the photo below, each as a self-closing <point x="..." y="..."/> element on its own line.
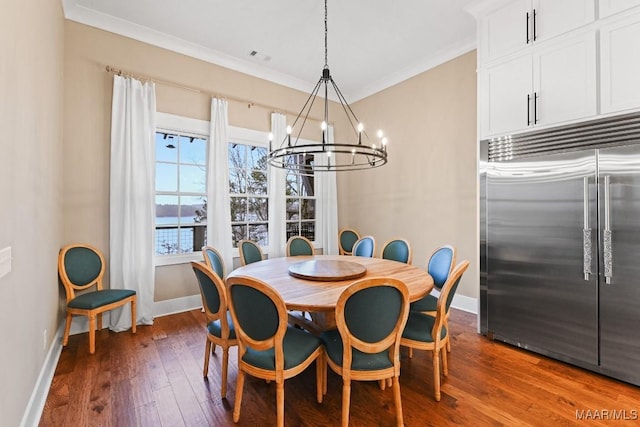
<point x="586" y="233"/>
<point x="607" y="237"/>
<point x="535" y="33"/>
<point x="535" y="108"/>
<point x="527" y="27"/>
<point x="528" y="110"/>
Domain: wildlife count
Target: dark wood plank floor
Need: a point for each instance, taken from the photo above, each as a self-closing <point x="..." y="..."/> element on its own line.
<point x="154" y="378"/>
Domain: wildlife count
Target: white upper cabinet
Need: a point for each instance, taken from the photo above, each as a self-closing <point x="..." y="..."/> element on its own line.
<point x="620" y="64"/>
<point x="510" y="26"/>
<point x="610" y="7"/>
<point x="554" y="83"/>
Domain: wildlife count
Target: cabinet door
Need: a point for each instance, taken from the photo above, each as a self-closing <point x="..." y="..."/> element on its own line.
<point x="620" y="64"/>
<point x="609" y="7"/>
<point x="553" y="17"/>
<point x="564" y="80"/>
<point x="503" y="99"/>
<point x="504" y="30"/>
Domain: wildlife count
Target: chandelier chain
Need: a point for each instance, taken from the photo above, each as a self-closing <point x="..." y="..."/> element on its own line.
<point x="326" y="61"/>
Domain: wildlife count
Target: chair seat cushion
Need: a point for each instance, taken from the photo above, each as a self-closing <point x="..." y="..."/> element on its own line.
<point x="419" y="327"/>
<point x="359" y="361"/>
<point x="428" y="303"/>
<point x="297" y="346"/>
<point x="96" y="299"/>
<point x="215" y="329"/>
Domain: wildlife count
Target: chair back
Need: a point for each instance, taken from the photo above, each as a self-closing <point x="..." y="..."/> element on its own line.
<point x="447" y="292"/>
<point x="212" y="291"/>
<point x="250" y="252"/>
<point x="80" y="267"/>
<point x="441" y="264"/>
<point x="365" y="246"/>
<point x="259" y="315"/>
<point x="346" y="239"/>
<point x="213" y="259"/>
<point x="299" y="245"/>
<point x="371" y="315"/>
<point x="397" y="250"/>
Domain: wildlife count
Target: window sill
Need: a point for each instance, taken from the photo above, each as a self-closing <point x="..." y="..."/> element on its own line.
<point x="177" y="259"/>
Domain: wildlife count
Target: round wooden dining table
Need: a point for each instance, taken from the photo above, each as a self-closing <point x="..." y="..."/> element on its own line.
<point x="313" y="284"/>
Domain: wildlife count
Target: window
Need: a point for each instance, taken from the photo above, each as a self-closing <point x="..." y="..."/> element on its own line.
<point x="301" y="202"/>
<point x="181" y="205"/>
<point x="248" y="193"/>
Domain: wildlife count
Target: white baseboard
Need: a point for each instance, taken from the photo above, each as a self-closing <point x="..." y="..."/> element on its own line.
<point x="177" y="305"/>
<point x="32" y="414"/>
<point x="462" y="302"/>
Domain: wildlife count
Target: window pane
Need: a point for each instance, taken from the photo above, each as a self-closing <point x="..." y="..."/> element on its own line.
<point x="237" y="181"/>
<point x="293" y="209"/>
<point x="258" y="209"/>
<point x="193" y="179"/>
<point x="256" y="158"/>
<point x="307" y="229"/>
<point x="236" y="155"/>
<point x="193" y="150"/>
<point x="190" y="208"/>
<point x="308" y="209"/>
<point x="257" y="183"/>
<point x="167" y="210"/>
<point x="164" y="150"/>
<point x="166" y="177"/>
<point x="239" y="232"/>
<point x="259" y="234"/>
<point x="306" y="184"/>
<point x="238" y="209"/>
<point x="292" y="184"/>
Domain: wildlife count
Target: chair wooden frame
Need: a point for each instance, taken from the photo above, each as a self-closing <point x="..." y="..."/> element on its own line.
<point x="406" y="242"/>
<point x="454" y="255"/>
<point x="243" y="260"/>
<point x="294" y="238"/>
<point x="280" y="374"/>
<point x="438" y="342"/>
<point x="224" y="341"/>
<point x="91" y="314"/>
<point x="390" y="342"/>
<point x="362" y="239"/>
<point x="341" y="249"/>
<point x="207" y="260"/>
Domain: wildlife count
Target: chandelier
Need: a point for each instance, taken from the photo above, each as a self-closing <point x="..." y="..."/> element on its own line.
<point x="296" y="154"/>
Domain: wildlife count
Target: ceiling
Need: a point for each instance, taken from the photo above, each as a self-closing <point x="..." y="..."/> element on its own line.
<point x="372" y="44"/>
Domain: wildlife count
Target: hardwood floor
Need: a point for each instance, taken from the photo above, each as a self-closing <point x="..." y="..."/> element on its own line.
<point x="154" y="378"/>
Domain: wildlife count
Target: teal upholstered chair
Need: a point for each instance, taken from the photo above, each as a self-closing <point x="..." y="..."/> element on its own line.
<point x="346" y="239"/>
<point x="268" y="347"/>
<point x="397" y="250"/>
<point x="299" y="245"/>
<point x="213" y="259"/>
<point x="81" y="267"/>
<point x="365" y="246"/>
<point x="439" y="266"/>
<point x="250" y="252"/>
<point x="425" y="332"/>
<point x="370" y="315"/>
<point x="220" y="329"/>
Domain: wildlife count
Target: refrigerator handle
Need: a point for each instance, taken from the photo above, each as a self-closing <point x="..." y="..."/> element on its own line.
<point x="586" y="233"/>
<point x="608" y="243"/>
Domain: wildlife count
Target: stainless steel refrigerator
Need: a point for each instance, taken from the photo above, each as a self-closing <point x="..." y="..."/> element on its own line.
<point x="561" y="244"/>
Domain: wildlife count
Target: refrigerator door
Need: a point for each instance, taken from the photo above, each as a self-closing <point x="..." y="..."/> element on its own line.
<point x="619" y="181"/>
<point x="541" y="256"/>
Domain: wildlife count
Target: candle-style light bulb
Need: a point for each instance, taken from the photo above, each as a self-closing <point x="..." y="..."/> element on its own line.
<point x="360" y="129"/>
<point x="384" y="143"/>
<point x="353" y="155"/>
<point x="323" y="126"/>
<point x="380" y="134"/>
<point x="289" y="135"/>
<point x="270" y="139"/>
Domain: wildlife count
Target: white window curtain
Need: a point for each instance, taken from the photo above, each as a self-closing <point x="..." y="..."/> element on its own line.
<point x="132" y="197"/>
<point x="218" y="200"/>
<point x="277" y="188"/>
<point x="327" y="199"/>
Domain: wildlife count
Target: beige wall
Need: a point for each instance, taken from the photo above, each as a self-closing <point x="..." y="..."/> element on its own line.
<point x="427" y="192"/>
<point x="31" y="52"/>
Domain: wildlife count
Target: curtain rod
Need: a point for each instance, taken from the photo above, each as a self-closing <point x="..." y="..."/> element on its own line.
<point x="120" y="72"/>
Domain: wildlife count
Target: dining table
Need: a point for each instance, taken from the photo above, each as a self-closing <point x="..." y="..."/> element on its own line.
<point x="313" y="284"/>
